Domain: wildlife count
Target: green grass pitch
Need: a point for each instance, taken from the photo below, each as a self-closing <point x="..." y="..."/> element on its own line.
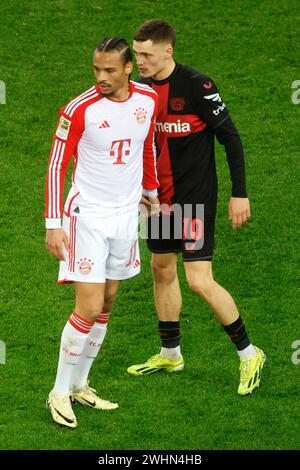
<point x="250" y="48"/>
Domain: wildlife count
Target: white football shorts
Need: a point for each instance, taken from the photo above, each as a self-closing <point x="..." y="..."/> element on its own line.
<point x="101" y="248"/>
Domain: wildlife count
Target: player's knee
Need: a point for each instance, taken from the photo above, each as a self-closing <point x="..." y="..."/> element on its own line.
<point x="91" y="312"/>
<point x="163" y="272"/>
<point x="201" y="286"/>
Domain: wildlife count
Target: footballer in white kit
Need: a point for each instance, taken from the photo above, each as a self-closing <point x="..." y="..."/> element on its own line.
<point x="114" y="150"/>
<point x="109" y="130"/>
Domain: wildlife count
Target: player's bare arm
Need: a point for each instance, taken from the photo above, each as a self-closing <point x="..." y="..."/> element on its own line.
<point x="239" y="211"/>
<point x="55" y="239"/>
<point x="151" y="205"/>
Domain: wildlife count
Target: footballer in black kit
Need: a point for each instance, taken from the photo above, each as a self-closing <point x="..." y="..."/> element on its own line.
<point x="191" y="113"/>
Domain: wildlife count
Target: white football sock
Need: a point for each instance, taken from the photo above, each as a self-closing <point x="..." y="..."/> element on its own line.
<point x="73" y="339"/>
<point x="90" y="352"/>
<point x="248" y="352"/>
<point x="171" y="353"/>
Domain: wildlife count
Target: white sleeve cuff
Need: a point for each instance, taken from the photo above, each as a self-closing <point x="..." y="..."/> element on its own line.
<point x="150" y="192"/>
<point x="52" y="223"/>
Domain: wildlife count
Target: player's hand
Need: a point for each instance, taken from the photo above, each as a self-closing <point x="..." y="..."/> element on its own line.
<point x="55" y="239"/>
<point x="149" y="206"/>
<point x="239" y="211"/>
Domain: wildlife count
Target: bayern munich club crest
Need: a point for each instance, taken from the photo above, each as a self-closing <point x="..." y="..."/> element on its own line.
<point x="141" y="115"/>
<point x="85" y="265"/>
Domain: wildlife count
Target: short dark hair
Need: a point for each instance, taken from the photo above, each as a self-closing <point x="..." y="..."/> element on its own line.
<point x="157" y="31"/>
<point x="117" y="44"/>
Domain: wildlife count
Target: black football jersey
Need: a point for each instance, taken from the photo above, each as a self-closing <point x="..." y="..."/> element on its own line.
<point x="190" y="108"/>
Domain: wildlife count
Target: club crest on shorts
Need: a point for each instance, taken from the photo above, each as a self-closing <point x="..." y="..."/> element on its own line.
<point x="85" y="265"/>
<point x="141" y="115"/>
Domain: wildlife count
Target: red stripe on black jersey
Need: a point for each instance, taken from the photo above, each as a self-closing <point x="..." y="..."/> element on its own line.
<point x="163" y="165"/>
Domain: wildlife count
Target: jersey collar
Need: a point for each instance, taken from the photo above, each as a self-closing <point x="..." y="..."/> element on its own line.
<point x="131" y="88"/>
<point x="162" y="82"/>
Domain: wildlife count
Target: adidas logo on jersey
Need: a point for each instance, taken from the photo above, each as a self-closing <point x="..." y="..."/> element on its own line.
<point x="104" y="125"/>
<point x="173" y="127"/>
<point x="214" y="97"/>
<point x="217" y="98"/>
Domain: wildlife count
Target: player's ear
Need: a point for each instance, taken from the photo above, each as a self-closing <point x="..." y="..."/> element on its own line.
<point x="129" y="68"/>
<point x="169" y="51"/>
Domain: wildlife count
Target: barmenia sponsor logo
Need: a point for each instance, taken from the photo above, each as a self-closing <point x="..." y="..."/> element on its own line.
<point x="173" y="127"/>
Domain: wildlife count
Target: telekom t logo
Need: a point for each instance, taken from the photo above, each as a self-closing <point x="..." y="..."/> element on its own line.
<point x="121" y="148"/>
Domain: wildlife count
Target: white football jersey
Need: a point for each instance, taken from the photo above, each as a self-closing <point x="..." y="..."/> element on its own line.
<point x="114" y="149"/>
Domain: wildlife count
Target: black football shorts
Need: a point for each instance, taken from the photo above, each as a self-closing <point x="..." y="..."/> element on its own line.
<point x="196" y="242"/>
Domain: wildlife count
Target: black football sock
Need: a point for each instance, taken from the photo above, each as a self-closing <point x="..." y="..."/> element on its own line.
<point x="169" y="332"/>
<point x="237" y="333"/>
